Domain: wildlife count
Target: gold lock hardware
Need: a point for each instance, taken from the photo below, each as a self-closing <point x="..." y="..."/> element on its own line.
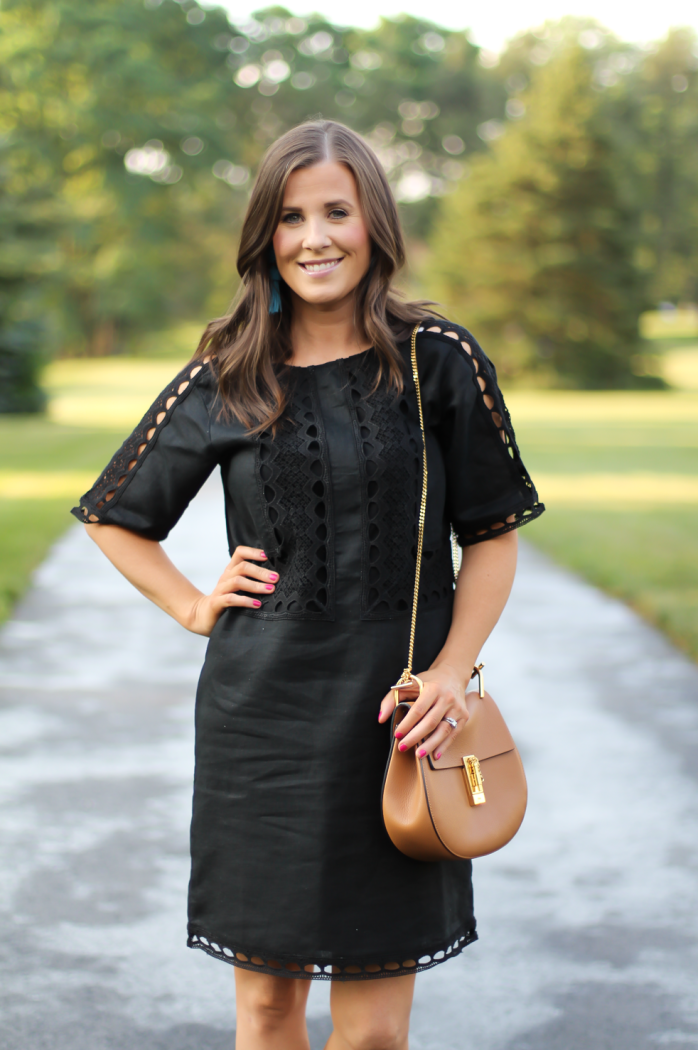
<point x="477" y="673"/>
<point x="474" y="780"/>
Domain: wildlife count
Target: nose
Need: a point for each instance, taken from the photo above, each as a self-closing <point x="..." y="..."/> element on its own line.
<point x="316" y="236"/>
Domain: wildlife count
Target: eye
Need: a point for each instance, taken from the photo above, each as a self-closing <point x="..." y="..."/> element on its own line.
<point x="292" y="218"/>
<point x="338" y="213"/>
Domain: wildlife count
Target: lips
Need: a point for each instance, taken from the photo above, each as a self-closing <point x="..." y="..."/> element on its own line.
<point x="320" y="267"/>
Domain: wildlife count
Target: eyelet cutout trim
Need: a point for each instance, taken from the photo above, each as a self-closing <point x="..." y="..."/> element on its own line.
<point x="298" y="506"/>
<point x="499" y="415"/>
<point x="309" y="969"/>
<point x="138" y="444"/>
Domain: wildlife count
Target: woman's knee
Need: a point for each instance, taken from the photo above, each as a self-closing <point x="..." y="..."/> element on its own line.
<point x="269" y="1003"/>
<point x="375" y="1033"/>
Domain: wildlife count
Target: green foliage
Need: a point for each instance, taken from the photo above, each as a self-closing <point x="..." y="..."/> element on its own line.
<point x="664" y="105"/>
<point x="122" y="247"/>
<point x="535" y="251"/>
<point x="20" y="365"/>
<point x="129" y="131"/>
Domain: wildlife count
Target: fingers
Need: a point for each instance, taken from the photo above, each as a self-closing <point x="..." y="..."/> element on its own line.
<point x="412" y="730"/>
<point x="248" y="554"/>
<point x="437" y="743"/>
<point x="243" y="573"/>
<point x="230" y="600"/>
<point x="423" y="726"/>
<point x="235" y="568"/>
<point x="387" y="707"/>
<point x="241" y="582"/>
<point x="428" y="707"/>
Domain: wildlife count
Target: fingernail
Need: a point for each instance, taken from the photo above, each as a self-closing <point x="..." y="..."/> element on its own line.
<point x="269" y="586"/>
<point x="421" y="753"/>
<point x="438" y="754"/>
<point x="262" y="554"/>
<point x="402" y="747"/>
<point x="256" y="603"/>
<point x="398" y="734"/>
<point x="273" y="576"/>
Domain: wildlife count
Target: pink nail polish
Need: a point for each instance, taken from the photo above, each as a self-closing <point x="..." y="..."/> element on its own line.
<point x="256" y="603"/>
<point x="438" y="754"/>
<point x="262" y="554"/>
<point x="402" y="747"/>
<point x="421" y="753"/>
<point x="398" y="734"/>
<point x="270" y="586"/>
<point x="274" y="576"/>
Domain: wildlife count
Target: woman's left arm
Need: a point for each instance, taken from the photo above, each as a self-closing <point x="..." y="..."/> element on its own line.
<point x="484" y="584"/>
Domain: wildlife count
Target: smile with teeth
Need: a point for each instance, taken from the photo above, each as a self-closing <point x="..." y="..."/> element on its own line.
<point x="320" y="267"/>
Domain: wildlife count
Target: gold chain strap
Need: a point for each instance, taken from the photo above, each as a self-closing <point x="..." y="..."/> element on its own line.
<point x="406" y="676"/>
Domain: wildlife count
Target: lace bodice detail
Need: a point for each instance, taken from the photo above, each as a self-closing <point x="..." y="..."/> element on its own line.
<point x="297" y="496"/>
<point x="391" y="457"/>
<point x="279" y="488"/>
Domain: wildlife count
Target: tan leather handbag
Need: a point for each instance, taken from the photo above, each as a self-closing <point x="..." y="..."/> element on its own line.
<point x="472" y="800"/>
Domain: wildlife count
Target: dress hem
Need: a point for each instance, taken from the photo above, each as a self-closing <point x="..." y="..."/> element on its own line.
<point x="341" y="969"/>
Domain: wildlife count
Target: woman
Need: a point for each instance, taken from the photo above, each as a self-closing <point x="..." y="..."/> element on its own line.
<point x="304" y="398"/>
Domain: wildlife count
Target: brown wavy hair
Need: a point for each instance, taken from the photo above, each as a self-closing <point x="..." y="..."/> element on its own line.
<point x="250" y="345"/>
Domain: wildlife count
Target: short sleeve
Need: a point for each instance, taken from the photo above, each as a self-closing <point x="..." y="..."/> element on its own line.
<point x="488" y="489"/>
<point x="161" y="466"/>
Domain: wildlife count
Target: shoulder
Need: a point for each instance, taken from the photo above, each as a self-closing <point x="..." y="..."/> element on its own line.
<point x="199" y="375"/>
<point x="453" y="351"/>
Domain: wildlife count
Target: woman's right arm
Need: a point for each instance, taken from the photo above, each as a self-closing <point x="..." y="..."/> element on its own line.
<point x="144" y="564"/>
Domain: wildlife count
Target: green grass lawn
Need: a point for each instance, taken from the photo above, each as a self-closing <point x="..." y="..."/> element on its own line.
<point x="37" y="451"/>
<point x="618" y="472"/>
<point x="619" y="475"/>
<point x="46" y="463"/>
<point x="648" y="558"/>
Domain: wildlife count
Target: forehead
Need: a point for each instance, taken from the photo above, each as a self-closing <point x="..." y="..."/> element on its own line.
<point x="321" y="183"/>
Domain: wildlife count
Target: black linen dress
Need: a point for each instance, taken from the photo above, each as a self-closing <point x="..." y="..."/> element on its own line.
<point x="292" y="872"/>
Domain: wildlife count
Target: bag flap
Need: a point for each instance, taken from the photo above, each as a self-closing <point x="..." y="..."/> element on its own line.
<point x="485" y="734"/>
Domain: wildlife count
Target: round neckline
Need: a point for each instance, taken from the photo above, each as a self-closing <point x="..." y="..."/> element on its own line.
<point x="334" y="361"/>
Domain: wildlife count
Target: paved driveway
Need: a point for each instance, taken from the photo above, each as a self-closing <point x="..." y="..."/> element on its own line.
<point x="588" y="920"/>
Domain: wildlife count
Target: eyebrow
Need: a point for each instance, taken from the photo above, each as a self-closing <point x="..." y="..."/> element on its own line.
<point x="327" y="204"/>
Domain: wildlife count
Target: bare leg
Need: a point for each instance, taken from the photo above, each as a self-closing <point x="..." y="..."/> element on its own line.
<point x="270" y="1012"/>
<point x="371" y="1015"/>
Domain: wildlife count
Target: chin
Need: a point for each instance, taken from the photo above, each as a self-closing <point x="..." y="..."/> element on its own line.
<point x="320" y="296"/>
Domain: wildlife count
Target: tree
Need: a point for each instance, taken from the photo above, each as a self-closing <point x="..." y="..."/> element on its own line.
<point x="536" y="251"/>
<point x="664" y="94"/>
<point x="105" y="100"/>
<point x="130" y="128"/>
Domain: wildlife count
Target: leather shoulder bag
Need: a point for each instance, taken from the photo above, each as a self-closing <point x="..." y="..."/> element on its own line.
<point x="472" y="800"/>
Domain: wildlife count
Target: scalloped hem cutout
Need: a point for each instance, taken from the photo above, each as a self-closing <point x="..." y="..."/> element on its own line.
<point x="513" y="521"/>
<point x="306" y="969"/>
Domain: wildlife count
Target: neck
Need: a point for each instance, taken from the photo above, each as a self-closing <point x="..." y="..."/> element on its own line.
<point x="322" y="332"/>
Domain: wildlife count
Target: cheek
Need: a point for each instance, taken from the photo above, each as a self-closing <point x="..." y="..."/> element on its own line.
<point x="282" y="242"/>
<point x="357" y="240"/>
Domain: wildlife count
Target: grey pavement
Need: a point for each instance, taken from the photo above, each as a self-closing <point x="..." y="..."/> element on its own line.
<point x="588" y="920"/>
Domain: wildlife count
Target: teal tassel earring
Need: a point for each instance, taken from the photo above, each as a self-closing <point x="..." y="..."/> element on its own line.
<point x="275" y="304"/>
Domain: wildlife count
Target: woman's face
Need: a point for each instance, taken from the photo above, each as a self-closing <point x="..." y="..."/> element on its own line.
<point x="322" y="245"/>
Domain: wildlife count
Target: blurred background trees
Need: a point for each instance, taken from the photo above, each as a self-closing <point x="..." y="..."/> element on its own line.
<point x="547" y="231"/>
<point x="550" y="194"/>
